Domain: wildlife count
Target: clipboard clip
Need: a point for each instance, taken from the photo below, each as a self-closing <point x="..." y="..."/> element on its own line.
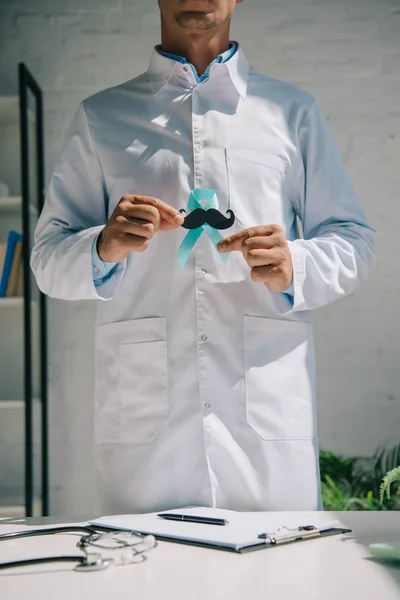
<point x="284" y="535"/>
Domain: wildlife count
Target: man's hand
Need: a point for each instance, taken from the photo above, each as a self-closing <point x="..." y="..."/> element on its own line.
<point x="133" y="223"/>
<point x="267" y="253"/>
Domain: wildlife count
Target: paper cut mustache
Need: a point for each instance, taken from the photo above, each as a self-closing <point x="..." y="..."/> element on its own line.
<point x="212" y="216"/>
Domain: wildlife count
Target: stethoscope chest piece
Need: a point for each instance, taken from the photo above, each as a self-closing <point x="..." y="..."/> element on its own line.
<point x="93" y="562"/>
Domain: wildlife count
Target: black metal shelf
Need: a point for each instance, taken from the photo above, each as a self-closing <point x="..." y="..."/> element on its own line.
<point x="27" y="85"/>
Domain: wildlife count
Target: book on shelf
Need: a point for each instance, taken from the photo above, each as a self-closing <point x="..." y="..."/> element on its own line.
<point x="19" y="290"/>
<point x="3" y="248"/>
<point x="16" y="268"/>
<point x="11" y="268"/>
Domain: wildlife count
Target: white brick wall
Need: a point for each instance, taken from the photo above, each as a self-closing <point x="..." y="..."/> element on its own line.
<point x="347" y="53"/>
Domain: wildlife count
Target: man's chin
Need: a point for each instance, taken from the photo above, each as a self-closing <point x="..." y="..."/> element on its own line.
<point x="196" y="20"/>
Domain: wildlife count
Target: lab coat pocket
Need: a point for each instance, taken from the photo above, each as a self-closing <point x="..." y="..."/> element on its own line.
<point x="135" y="377"/>
<point x="279" y="375"/>
<point x="255" y="181"/>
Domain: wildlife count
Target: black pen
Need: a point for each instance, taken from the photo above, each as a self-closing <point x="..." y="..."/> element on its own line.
<point x="193" y="519"/>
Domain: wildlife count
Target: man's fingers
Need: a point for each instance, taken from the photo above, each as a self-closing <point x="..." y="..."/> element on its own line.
<point x="252" y="245"/>
<point x="262" y="257"/>
<point x="262" y="242"/>
<point x="235" y="241"/>
<point x="144" y="213"/>
<point x="267" y="274"/>
<point x="139" y="228"/>
<point x="167" y="212"/>
<point x="135" y="243"/>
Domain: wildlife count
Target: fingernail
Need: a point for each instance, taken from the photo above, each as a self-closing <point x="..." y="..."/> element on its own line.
<point x="221" y="247"/>
<point x="179" y="218"/>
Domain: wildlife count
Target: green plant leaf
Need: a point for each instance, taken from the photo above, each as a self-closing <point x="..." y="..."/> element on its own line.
<point x="391" y="477"/>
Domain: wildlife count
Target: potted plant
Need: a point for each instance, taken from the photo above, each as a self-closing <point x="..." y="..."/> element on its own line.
<point x="361" y="483"/>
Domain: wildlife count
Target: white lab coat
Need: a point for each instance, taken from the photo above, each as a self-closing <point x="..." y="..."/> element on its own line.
<point x="205" y="381"/>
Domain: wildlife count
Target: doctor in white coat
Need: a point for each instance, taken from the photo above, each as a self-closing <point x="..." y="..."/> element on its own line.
<point x="205" y="380"/>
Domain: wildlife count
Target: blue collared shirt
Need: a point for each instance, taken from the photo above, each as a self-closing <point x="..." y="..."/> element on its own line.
<point x="103" y="270"/>
<point x="220" y="59"/>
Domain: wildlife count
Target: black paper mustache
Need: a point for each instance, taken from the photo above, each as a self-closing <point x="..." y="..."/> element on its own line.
<point x="212" y="216"/>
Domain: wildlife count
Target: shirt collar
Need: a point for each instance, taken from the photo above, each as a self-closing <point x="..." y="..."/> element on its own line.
<point x="162" y="69"/>
<point x="223" y="57"/>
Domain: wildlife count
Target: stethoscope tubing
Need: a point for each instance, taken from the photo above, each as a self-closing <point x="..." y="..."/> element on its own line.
<point x="88" y="529"/>
<point x="14" y="535"/>
<point x="40" y="561"/>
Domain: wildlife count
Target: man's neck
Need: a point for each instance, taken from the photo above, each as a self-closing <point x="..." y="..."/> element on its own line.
<point x="198" y="50"/>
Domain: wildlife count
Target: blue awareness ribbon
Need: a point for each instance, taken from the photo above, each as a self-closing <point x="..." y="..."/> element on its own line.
<point x="201" y="198"/>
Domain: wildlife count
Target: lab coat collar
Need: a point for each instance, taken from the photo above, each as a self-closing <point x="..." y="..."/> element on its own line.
<point x="162" y="69"/>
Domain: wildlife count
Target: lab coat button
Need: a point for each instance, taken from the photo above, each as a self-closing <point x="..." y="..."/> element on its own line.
<point x="204" y="338"/>
<point x="199" y="146"/>
<point x="206" y="405"/>
<point x="203" y="272"/>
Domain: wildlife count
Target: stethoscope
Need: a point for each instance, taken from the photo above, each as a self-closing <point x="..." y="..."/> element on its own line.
<point x="130" y="546"/>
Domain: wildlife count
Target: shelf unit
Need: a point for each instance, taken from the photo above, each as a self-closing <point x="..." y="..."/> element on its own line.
<point x="11" y="203"/>
<point x="23" y="339"/>
<point x="15" y="301"/>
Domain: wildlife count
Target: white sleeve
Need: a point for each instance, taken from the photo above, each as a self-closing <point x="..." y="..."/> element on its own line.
<point x="75" y="211"/>
<point x="337" y="253"/>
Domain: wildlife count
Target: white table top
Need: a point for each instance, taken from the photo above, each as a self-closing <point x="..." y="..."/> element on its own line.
<point x="334" y="568"/>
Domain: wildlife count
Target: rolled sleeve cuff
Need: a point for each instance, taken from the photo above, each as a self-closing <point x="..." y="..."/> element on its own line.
<point x="101" y="269"/>
<point x="289" y="291"/>
<point x="292" y="299"/>
<point x="106" y="275"/>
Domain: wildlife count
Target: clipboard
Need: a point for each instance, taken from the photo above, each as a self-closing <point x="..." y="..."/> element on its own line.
<point x="244" y="532"/>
